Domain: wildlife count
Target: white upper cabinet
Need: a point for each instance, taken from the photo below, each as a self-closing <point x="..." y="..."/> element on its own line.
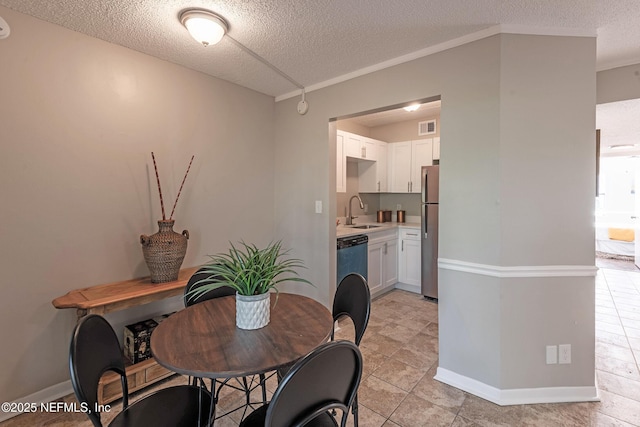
<point x="372" y="176"/>
<point x="383" y="167"/>
<point x="359" y="147"/>
<point x="421" y="155"/>
<point x="369" y="149"/>
<point x="399" y="167"/>
<point x="382" y="171"/>
<point x="352" y="144"/>
<point x="436" y="148"/>
<point x="371" y="156"/>
<point x="405" y="164"/>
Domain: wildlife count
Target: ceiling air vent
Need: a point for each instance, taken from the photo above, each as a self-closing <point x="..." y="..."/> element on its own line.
<point x="427" y="128"/>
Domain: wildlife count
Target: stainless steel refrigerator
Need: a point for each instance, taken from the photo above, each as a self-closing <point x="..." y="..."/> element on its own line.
<point x="430" y="189"/>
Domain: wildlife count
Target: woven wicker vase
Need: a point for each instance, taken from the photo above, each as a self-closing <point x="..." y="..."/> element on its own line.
<point x="253" y="311"/>
<point x="164" y="252"/>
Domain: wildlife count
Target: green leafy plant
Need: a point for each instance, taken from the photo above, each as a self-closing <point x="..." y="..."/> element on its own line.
<point x="249" y="270"/>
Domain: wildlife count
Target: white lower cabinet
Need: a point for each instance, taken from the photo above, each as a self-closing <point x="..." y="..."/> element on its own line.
<point x="409" y="258"/>
<point x="382" y="268"/>
<point x="391" y="263"/>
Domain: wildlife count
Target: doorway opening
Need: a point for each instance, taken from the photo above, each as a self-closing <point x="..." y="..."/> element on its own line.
<point x="617" y="209"/>
<point x="380" y="155"/>
<point x="375" y="183"/>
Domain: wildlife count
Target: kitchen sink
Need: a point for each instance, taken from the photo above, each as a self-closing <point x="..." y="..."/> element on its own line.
<point x="365" y="227"/>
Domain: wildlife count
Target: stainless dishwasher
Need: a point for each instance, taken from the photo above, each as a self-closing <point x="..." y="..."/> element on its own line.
<point x="352" y="256"/>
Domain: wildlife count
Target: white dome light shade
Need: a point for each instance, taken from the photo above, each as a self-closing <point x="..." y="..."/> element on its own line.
<point x="204" y="26"/>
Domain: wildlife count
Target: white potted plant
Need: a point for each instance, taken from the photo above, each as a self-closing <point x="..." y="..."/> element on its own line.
<point x="252" y="273"/>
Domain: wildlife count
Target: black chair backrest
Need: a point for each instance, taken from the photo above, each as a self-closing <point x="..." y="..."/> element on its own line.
<point x="94" y="351"/>
<point x="193" y="284"/>
<point x="353" y="299"/>
<point x="326" y="378"/>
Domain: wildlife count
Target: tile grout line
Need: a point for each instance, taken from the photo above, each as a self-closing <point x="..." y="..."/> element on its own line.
<point x="624" y="328"/>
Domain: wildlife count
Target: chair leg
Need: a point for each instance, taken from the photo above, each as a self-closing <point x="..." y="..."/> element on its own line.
<point x="247" y="390"/>
<point x="214" y="400"/>
<point x="263" y="382"/>
<point x="354" y="411"/>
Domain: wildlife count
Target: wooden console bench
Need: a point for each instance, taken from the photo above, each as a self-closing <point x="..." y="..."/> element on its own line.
<point x="110" y="297"/>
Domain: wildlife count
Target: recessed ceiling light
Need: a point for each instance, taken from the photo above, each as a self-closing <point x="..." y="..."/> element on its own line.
<point x="410" y="108"/>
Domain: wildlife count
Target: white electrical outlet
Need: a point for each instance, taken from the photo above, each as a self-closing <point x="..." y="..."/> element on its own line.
<point x="318" y="206"/>
<point x="564" y="353"/>
<point x="552" y="354"/>
<point x="366" y="208"/>
<point x="399" y="207"/>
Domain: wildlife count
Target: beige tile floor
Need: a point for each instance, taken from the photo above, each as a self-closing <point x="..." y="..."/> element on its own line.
<point x="400" y="350"/>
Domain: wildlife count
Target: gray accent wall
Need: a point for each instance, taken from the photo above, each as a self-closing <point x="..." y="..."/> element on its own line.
<point x="518" y="118"/>
<point x="79" y="118"/>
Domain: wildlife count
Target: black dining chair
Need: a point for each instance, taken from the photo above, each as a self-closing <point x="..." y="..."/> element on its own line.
<point x="198" y="279"/>
<point x="353" y="299"/>
<point x="95" y="350"/>
<point x="324" y="380"/>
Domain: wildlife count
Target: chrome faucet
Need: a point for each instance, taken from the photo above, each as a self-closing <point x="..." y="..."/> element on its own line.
<point x="349" y="220"/>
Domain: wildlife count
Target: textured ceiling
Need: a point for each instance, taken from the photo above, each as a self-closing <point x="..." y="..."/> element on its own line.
<point x="320" y="40"/>
<point x="317" y="42"/>
<point x="619" y="124"/>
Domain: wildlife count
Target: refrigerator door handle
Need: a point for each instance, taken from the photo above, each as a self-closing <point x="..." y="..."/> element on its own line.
<point x="425" y="219"/>
<point x="426" y="187"/>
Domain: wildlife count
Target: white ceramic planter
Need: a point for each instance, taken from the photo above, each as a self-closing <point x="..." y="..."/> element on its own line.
<point x="252" y="312"/>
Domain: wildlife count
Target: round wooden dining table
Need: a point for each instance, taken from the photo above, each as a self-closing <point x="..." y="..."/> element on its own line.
<point x="203" y="340"/>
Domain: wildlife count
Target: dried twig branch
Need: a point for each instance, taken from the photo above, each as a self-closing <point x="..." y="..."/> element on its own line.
<point x="159" y="188"/>
<point x="180" y="191"/>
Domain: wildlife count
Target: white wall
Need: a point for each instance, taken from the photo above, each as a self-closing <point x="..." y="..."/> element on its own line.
<point x="78" y="120"/>
<point x="490" y="105"/>
<point x="618" y="84"/>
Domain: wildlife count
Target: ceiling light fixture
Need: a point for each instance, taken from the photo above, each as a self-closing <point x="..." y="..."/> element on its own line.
<point x="204" y="26"/>
<point x="620" y="146"/>
<point x="410" y="108"/>
<point x="4" y="29"/>
<point x="208" y="28"/>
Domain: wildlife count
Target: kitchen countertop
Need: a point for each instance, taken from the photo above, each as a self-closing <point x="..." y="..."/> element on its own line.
<point x="346" y="230"/>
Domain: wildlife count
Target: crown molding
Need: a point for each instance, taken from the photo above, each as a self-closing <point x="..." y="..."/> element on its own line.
<point x="478" y="35"/>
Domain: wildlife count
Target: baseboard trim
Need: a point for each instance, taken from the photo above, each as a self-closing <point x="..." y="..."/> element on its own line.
<point x="46" y="395"/>
<point x="518" y="271"/>
<point x="409" y="288"/>
<point x="523" y="396"/>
